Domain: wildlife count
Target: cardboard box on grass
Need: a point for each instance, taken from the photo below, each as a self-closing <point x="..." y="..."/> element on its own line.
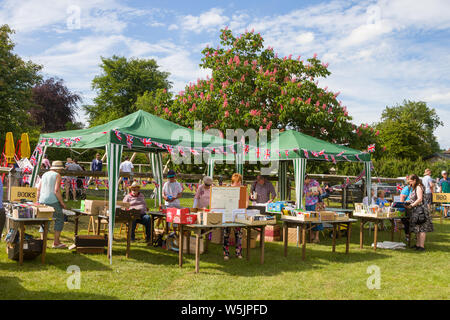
<point x="192" y="245"/>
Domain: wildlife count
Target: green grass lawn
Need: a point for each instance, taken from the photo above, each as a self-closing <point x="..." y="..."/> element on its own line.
<point x="153" y="273"/>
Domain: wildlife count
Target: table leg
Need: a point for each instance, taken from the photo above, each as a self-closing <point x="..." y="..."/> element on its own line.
<point x="22" y="235"/>
<point x="180" y="246"/>
<point x="75" y="232"/>
<point x="262" y="236"/>
<point x="188" y="243"/>
<point x="99" y="220"/>
<point x="285" y="238"/>
<point x="303" y="241"/>
<point x="392" y="229"/>
<point x="197" y="251"/>
<point x="375" y="236"/>
<point x="152" y="227"/>
<point x="130" y="226"/>
<point x="248" y="243"/>
<point x="44" y="242"/>
<point x="334" y="238"/>
<point x="361" y="234"/>
<point x="349" y="235"/>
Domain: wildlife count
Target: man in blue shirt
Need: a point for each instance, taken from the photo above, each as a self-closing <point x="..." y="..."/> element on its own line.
<point x="444" y="183"/>
<point x="2" y="210"/>
<point x="96" y="165"/>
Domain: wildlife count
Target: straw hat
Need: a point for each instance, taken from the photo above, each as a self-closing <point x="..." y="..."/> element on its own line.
<point x="135" y="184"/>
<point x="57" y="165"/>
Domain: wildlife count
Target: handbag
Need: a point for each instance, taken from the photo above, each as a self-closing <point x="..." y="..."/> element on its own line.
<point x="419" y="214"/>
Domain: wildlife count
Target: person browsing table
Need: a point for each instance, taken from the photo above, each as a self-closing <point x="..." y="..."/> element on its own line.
<point x="49" y="193"/>
<point x="262" y="191"/>
<point x="172" y="191"/>
<point x="312" y="192"/>
<point x="203" y="194"/>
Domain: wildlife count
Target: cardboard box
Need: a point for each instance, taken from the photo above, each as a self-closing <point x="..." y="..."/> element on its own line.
<point x="185" y="218"/>
<point x="272" y="231"/>
<point x="217" y="236"/>
<point x="43" y="212"/>
<point x="327" y="215"/>
<point x="94" y="207"/>
<point x="292" y="235"/>
<point x="252" y="243"/>
<point x="192" y="245"/>
<point x="212" y="218"/>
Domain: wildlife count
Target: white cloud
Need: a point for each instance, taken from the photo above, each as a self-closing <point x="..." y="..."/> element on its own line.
<point x="208" y="21"/>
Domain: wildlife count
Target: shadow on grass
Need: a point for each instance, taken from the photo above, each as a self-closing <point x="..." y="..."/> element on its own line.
<point x="61" y="260"/>
<point x="14" y="290"/>
<point x="274" y="261"/>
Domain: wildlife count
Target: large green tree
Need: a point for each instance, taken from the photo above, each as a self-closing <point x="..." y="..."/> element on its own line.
<point x="17" y="78"/>
<point x="407" y="130"/>
<point x="121" y="83"/>
<point x="251" y="87"/>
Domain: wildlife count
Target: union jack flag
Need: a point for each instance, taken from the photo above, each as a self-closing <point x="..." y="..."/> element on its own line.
<point x="181" y="151"/>
<point x="326" y="157"/>
<point x="333" y="159"/>
<point x="144" y="183"/>
<point x="58" y="142"/>
<point x="27" y="170"/>
<point x="68" y="142"/>
<point x="306" y="153"/>
<point x="33" y="160"/>
<point x="39" y="149"/>
<point x="340" y="154"/>
<point x="129" y="141"/>
<point x="86" y="183"/>
<point x="267" y="154"/>
<point x="50" y="142"/>
<point x="194" y="152"/>
<point x="169" y="148"/>
<point x="315" y="154"/>
<point x="258" y="152"/>
<point x="117" y="133"/>
<point x="63" y="182"/>
<point x="371" y="148"/>
<point x="77" y="139"/>
<point x="26" y="179"/>
<point x="399" y="188"/>
<point x="73" y="183"/>
<point x="147" y="142"/>
<point x="286" y="152"/>
<point x="98" y="182"/>
<point x="246" y="149"/>
<point x="321" y="153"/>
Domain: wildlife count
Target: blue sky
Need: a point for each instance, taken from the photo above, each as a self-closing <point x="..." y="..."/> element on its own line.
<point x="380" y="52"/>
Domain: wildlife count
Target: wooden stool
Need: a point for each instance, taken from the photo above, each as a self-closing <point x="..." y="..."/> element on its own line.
<point x="103" y="222"/>
<point x="123" y="227"/>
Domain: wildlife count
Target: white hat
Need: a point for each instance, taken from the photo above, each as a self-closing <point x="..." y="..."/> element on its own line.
<point x="443" y="172"/>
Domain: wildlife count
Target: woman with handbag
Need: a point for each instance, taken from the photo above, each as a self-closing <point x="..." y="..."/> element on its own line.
<point x="420" y="222"/>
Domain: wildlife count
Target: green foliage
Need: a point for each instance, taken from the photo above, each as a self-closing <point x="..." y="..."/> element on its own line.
<point x="17" y="77"/>
<point x="119" y="86"/>
<point x="252" y="88"/>
<point x="407" y="130"/>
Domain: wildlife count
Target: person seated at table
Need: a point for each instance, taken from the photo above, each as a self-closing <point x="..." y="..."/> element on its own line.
<point x="172" y="191"/>
<point x="381" y="201"/>
<point x="312" y="191"/>
<point x="372" y="201"/>
<point x="236" y="181"/>
<point x="262" y="190"/>
<point x="203" y="194"/>
<point x="137" y="201"/>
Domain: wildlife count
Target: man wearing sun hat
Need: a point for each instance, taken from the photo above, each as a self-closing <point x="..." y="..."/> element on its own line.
<point x="172" y="191"/>
<point x="137" y="201"/>
<point x="49" y="193"/>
